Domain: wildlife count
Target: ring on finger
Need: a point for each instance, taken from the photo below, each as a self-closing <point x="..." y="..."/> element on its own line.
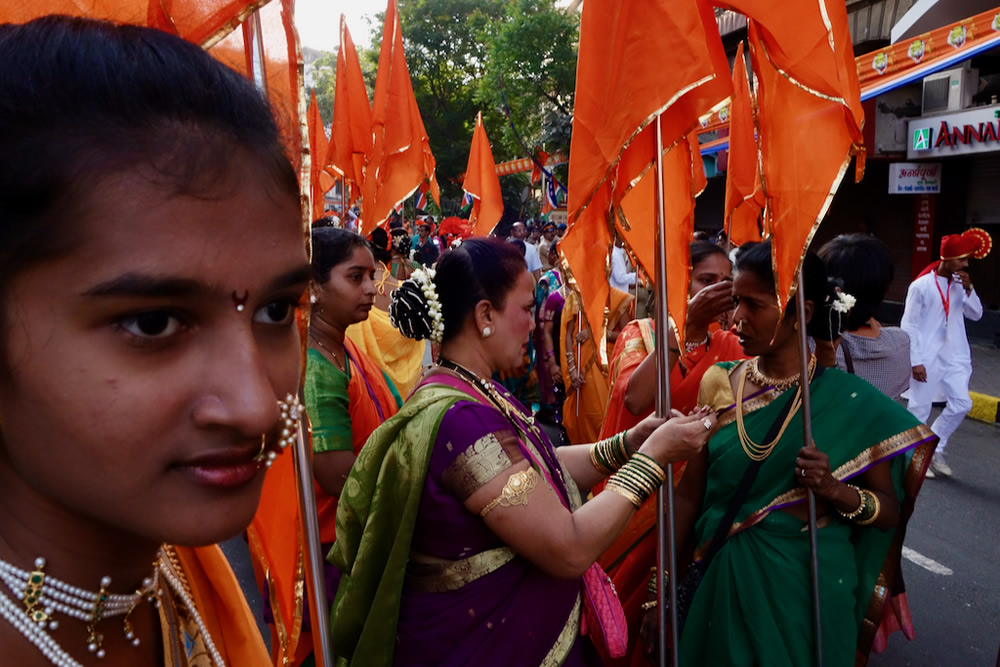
<point x="803" y="471"/>
<point x="707" y="423"/>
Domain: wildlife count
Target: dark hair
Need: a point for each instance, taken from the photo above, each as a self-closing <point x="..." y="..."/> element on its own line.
<point x="480" y="268"/>
<point x="863" y="266"/>
<point x="519" y="244"/>
<point x="379" y="242"/>
<point x="701" y="250"/>
<point x="81" y="100"/>
<point x="755" y="258"/>
<point x="332" y="246"/>
<point x="401" y="243"/>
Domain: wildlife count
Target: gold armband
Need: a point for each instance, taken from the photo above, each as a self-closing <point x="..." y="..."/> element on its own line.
<point x="514" y="492"/>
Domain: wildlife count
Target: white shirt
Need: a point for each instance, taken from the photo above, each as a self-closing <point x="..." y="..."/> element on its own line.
<point x="531" y="257"/>
<point x="621" y="278"/>
<point x="933" y="335"/>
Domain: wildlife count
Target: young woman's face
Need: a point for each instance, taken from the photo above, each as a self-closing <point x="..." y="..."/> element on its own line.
<point x="349" y="293"/>
<point x="136" y="390"/>
<point x="712" y="269"/>
<point x="756" y="315"/>
<point x="513" y="324"/>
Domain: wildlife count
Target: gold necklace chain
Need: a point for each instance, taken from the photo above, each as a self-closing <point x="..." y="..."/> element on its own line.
<point x="498" y="399"/>
<point x="753" y="450"/>
<point x="781" y="384"/>
<point x="336" y="362"/>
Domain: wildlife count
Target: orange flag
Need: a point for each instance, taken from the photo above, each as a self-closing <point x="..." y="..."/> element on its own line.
<point x="400" y="158"/>
<point x="810" y="119"/>
<point x="351" y="137"/>
<point x="619" y="92"/>
<point x="744" y="196"/>
<point x="482" y="183"/>
<point x="318" y="146"/>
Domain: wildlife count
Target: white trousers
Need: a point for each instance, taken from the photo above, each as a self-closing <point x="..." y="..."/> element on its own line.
<point x="950" y="379"/>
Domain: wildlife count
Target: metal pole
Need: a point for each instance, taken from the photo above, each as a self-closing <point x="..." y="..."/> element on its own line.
<point x="800" y="314"/>
<point x="666" y="552"/>
<point x="315" y="576"/>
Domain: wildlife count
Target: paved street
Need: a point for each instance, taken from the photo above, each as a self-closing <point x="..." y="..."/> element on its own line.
<point x="956" y="524"/>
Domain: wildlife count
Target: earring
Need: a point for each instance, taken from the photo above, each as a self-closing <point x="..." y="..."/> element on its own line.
<point x="313" y="298"/>
<point x="291" y="411"/>
<point x="795" y="325"/>
<point x="739" y="326"/>
<point x="487" y="332"/>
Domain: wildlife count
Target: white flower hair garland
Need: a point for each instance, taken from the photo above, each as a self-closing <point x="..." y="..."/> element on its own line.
<point x="424" y="279"/>
<point x="842" y="304"/>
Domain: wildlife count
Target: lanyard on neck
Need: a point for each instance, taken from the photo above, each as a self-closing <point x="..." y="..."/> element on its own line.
<point x="945" y="300"/>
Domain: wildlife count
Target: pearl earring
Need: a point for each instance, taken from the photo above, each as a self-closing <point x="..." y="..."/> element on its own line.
<point x="487" y="332"/>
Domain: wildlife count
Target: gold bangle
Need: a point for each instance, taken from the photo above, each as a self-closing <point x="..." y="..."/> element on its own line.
<point x="624" y="493"/>
<point x="646" y="606"/>
<point x="600" y="467"/>
<point x="514" y="492"/>
<point x="869" y="517"/>
<point x="850" y="516"/>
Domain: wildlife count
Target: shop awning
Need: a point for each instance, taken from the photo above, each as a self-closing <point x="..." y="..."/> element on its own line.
<point x="903" y="63"/>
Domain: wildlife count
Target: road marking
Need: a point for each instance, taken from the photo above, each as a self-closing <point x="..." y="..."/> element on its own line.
<point x="925" y="562"/>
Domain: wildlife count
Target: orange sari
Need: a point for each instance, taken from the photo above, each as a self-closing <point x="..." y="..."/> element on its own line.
<point x="629" y="559"/>
<point x="275" y="537"/>
<point x="583" y="410"/>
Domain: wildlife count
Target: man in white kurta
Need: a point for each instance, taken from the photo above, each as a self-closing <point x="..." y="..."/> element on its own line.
<point x="937" y="304"/>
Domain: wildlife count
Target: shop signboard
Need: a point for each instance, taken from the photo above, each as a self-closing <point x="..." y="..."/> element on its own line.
<point x="923" y="234"/>
<point x="962" y="133"/>
<point x="914" y="178"/>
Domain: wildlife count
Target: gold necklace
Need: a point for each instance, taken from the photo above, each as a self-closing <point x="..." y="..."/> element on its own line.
<point x="486" y="387"/>
<point x="781" y="384"/>
<point x="336" y="362"/>
<point x="753" y="450"/>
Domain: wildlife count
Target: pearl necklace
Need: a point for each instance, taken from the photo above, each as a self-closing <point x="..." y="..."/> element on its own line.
<point x="58" y="596"/>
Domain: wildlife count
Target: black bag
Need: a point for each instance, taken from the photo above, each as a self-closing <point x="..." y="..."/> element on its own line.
<point x="688" y="586"/>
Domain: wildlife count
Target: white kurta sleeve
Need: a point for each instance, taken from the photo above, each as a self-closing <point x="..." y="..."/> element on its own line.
<point x="620" y="275"/>
<point x="911" y="323"/>
<point x="972" y="306"/>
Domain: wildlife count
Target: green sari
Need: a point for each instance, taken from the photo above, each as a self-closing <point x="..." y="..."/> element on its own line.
<point x="754" y="604"/>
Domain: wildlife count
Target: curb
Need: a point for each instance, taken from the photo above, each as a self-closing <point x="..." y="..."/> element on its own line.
<point x="985" y="408"/>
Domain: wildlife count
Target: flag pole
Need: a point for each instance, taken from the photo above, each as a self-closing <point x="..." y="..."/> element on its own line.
<point x="666" y="553"/>
<point x="800" y="302"/>
<point x="579" y="351"/>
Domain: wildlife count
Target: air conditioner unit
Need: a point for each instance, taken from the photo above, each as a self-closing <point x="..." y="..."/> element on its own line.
<point x="950" y="90"/>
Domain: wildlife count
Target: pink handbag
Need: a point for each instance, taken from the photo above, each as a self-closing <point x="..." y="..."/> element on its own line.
<point x="603" y="616"/>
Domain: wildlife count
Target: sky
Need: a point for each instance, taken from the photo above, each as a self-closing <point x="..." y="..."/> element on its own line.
<point x="318" y="21"/>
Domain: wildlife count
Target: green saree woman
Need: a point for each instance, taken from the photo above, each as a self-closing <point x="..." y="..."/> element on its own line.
<point x="752" y="607"/>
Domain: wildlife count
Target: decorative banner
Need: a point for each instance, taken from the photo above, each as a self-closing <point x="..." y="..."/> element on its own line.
<point x="973" y="131"/>
<point x="908" y="178"/>
<point x="923" y="234"/>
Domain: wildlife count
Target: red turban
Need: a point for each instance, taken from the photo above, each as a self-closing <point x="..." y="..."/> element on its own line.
<point x="973" y="242"/>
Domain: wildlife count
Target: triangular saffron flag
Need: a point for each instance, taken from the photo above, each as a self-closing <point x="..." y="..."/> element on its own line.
<point x="618" y="97"/>
<point x="400" y="158"/>
<point x="482" y="183"/>
<point x="804" y="61"/>
<point x="318" y="145"/>
<point x="744" y="197"/>
<point x="351" y="138"/>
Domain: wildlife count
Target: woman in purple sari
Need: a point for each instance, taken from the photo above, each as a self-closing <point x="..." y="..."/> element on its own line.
<point x="461" y="533"/>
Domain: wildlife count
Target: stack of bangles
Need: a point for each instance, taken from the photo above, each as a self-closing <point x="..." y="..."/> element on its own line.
<point x="868" y="508"/>
<point x="651" y="588"/>
<point x="638" y="479"/>
<point x="609" y="454"/>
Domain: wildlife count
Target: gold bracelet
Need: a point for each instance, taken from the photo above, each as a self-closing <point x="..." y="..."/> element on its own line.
<point x="514" y="492"/>
<point x="875" y="506"/>
<point x="624" y="493"/>
<point x="600" y="467"/>
<point x="646" y="606"/>
<point x="850" y="516"/>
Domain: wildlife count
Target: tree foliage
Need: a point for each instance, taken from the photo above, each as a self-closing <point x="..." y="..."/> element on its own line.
<point x="462" y="54"/>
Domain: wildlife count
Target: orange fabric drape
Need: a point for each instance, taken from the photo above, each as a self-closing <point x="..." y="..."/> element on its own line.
<point x="744" y="196"/>
<point x="618" y="94"/>
<point x="400" y="158"/>
<point x="221" y="605"/>
<point x="809" y="96"/>
<point x="482" y="182"/>
<point x="351" y="136"/>
<point x="318" y="147"/>
<point x="275" y="533"/>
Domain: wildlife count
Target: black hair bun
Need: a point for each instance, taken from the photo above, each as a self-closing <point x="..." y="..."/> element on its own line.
<point x="409" y="311"/>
